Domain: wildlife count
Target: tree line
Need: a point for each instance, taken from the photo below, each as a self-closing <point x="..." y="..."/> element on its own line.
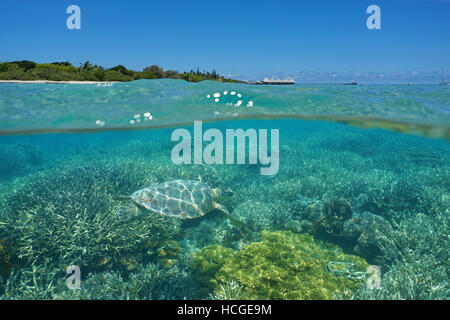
<point x="65" y="71"/>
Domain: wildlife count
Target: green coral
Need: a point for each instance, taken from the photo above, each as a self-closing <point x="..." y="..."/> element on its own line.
<point x="283" y="265"/>
<point x="208" y="262"/>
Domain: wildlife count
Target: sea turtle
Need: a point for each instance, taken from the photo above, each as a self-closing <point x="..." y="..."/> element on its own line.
<point x="183" y="199"/>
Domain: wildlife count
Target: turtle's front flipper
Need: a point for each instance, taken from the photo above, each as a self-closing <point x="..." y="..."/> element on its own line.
<point x="234" y="221"/>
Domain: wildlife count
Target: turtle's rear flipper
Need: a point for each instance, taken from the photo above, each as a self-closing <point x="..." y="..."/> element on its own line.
<point x="236" y="222"/>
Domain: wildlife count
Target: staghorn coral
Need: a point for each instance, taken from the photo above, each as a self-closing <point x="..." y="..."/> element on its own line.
<point x="262" y="215"/>
<point x="67" y="216"/>
<point x="417" y="261"/>
<point x="41" y="282"/>
<point x="231" y="290"/>
<point x="402" y="179"/>
<point x="283" y="265"/>
<point x="146" y="282"/>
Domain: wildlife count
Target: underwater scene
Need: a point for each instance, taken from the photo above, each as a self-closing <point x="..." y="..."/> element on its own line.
<point x="357" y="205"/>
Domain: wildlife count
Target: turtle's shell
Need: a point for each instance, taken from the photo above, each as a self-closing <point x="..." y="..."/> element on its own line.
<point x="184" y="199"/>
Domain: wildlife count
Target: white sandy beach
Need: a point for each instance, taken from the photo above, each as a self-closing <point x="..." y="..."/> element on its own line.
<point x="58" y="82"/>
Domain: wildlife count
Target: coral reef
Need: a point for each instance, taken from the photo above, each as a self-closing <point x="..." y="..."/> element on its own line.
<point x="380" y="195"/>
<point x="208" y="262"/>
<point x="41" y="282"/>
<point x="145" y="283"/>
<point x="416" y="260"/>
<point x="149" y="281"/>
<point x="334" y="220"/>
<point x="269" y="215"/>
<point x="332" y="216"/>
<point x="68" y="216"/>
<point x="231" y="290"/>
<point x="370" y="232"/>
<point x="168" y="252"/>
<point x="283" y="265"/>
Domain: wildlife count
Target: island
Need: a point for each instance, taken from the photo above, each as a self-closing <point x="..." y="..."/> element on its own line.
<point x="26" y="70"/>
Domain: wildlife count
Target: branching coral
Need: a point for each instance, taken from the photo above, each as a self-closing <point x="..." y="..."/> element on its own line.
<point x="283" y="265"/>
<point x="34" y="282"/>
<point x="69" y="217"/>
<point x="264" y="215"/>
<point x="417" y="260"/>
<point x="231" y="290"/>
<point x="149" y="281"/>
<point x="146" y="282"/>
<point x="65" y="214"/>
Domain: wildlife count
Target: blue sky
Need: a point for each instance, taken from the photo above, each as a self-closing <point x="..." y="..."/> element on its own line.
<point x="247" y="39"/>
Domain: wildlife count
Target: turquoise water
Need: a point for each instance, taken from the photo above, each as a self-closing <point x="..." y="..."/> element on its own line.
<point x="378" y="195"/>
<point x="422" y="109"/>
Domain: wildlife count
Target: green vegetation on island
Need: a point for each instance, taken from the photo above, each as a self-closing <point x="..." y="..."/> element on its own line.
<point x="64" y="71"/>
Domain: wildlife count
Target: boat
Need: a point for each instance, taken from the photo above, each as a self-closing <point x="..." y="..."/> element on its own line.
<point x="276" y="81"/>
<point x="443" y="82"/>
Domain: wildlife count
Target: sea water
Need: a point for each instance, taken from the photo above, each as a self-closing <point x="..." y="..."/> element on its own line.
<point x="363" y="178"/>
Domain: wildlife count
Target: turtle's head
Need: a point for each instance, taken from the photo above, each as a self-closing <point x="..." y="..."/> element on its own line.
<point x="217" y="192"/>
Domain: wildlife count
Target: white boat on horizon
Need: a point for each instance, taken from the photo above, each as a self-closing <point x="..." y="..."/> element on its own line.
<point x="443" y="82"/>
<point x="276" y="81"/>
